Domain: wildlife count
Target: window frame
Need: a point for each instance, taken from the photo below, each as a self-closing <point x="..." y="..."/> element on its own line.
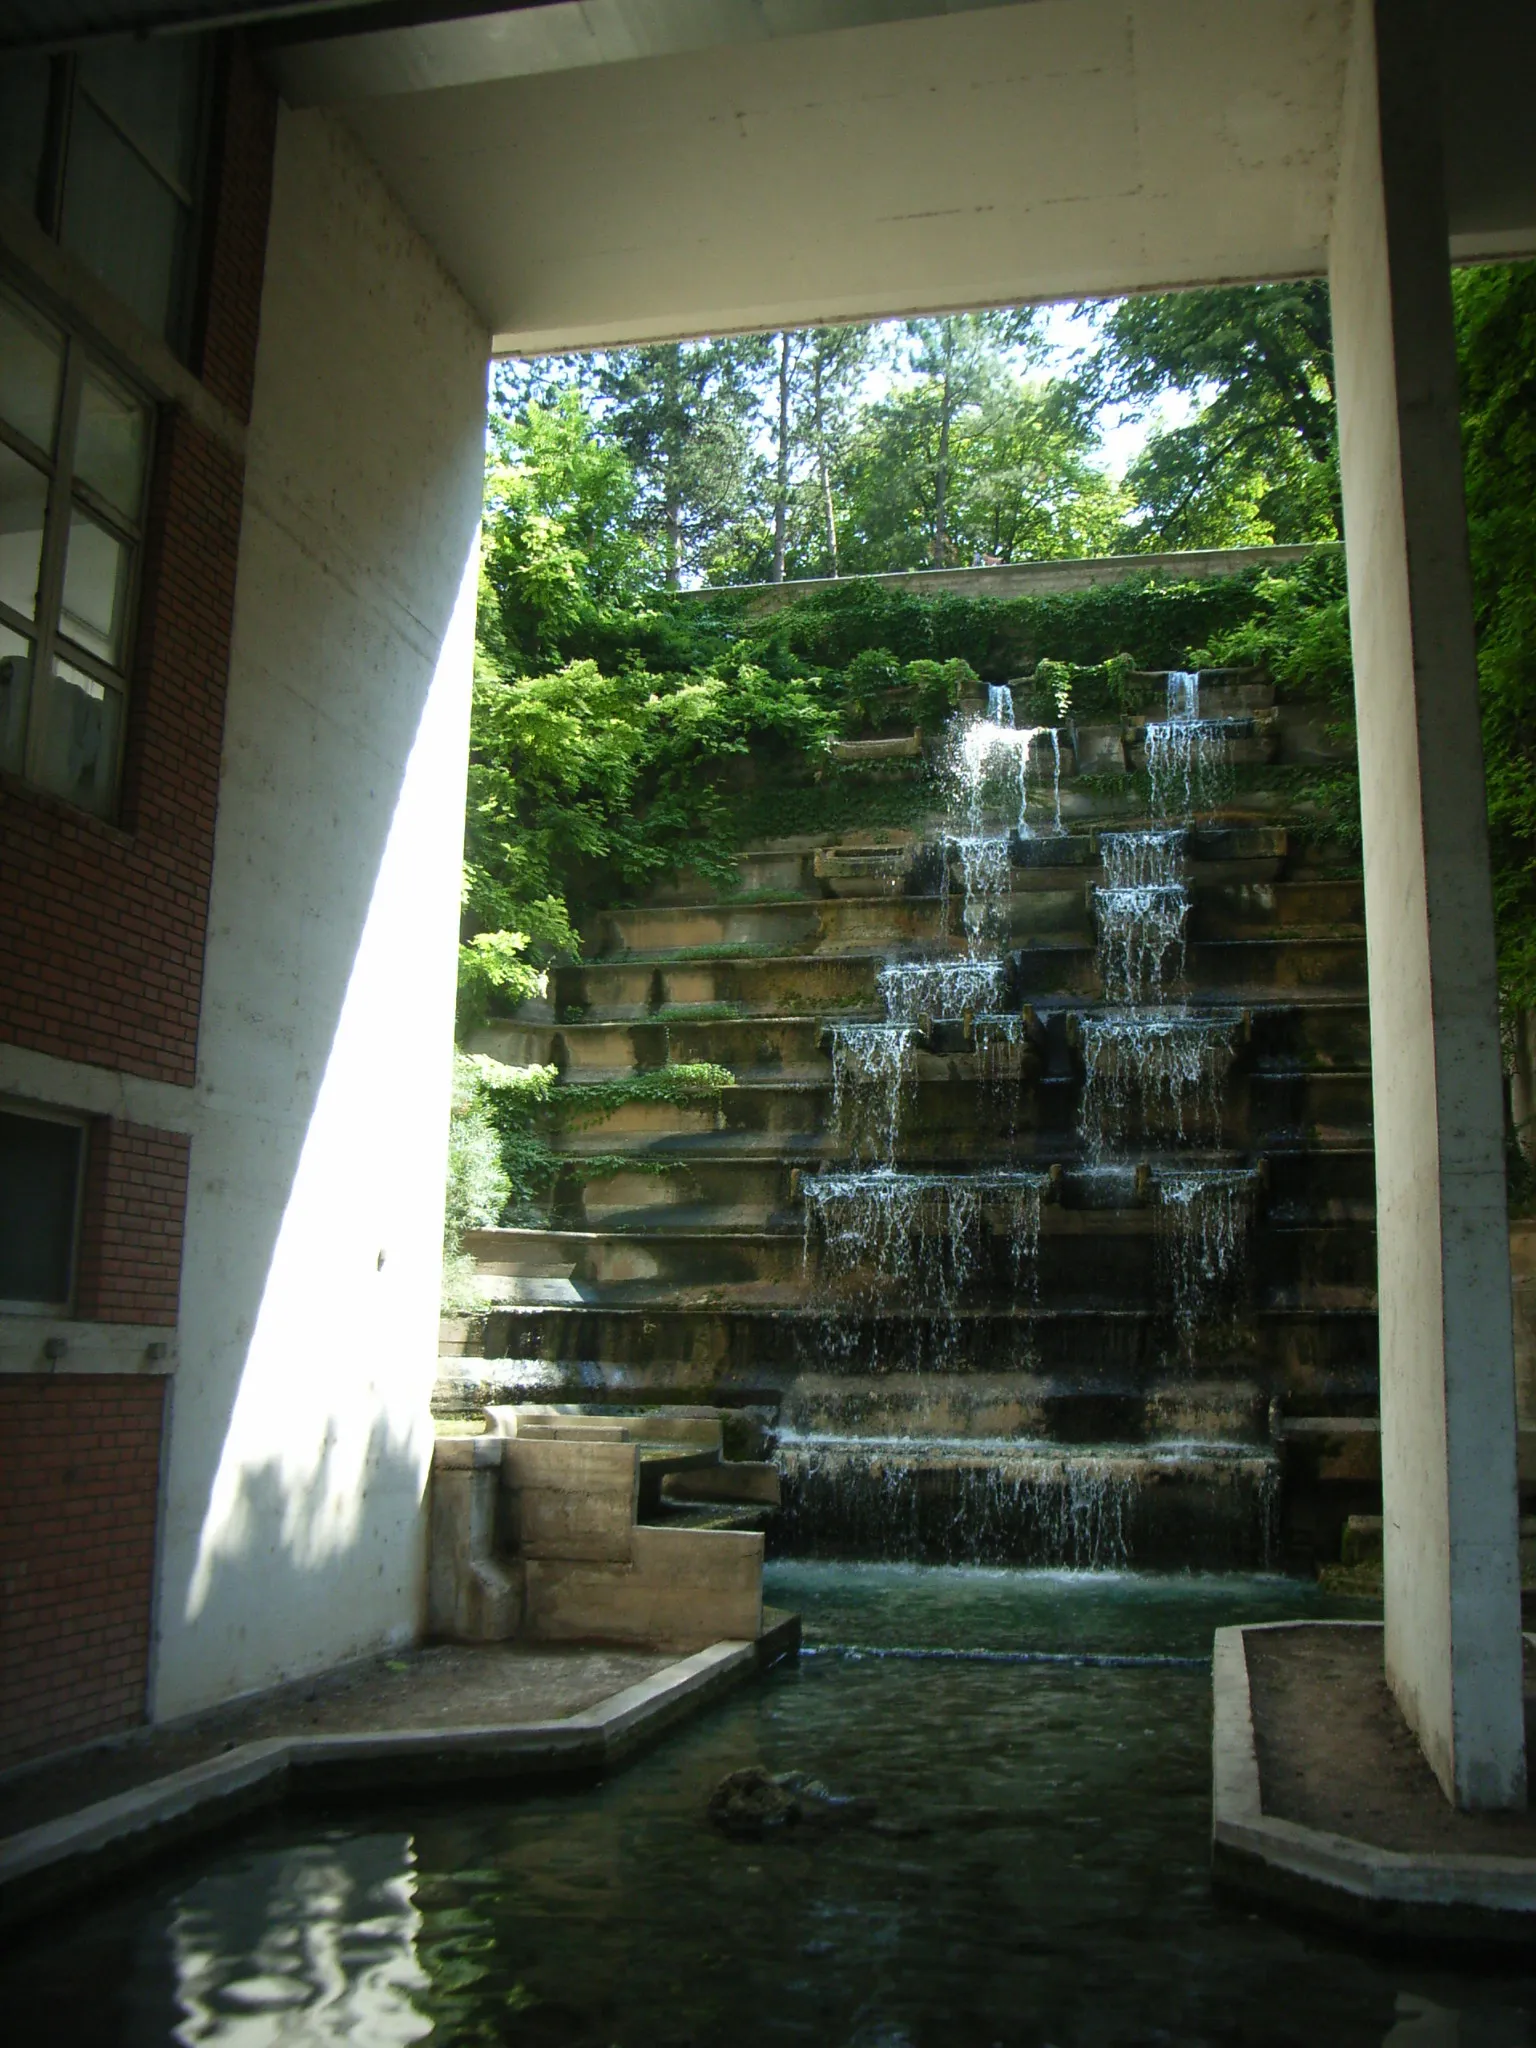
<point x="80" y="1123"/>
<point x="45" y="632"/>
<point x="65" y="88"/>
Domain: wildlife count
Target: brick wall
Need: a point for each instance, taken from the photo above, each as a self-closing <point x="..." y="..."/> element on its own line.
<point x="79" y="1477"/>
<point x="130" y="1231"/>
<point x="102" y="926"/>
<point x="102" y="931"/>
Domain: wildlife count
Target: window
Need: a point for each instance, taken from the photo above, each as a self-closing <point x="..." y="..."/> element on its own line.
<point x="74" y="455"/>
<point x="41" y="1161"/>
<point x="104" y="147"/>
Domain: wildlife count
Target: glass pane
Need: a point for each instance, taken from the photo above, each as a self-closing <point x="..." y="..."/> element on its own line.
<point x="95" y="587"/>
<point x="123" y="224"/>
<point x="74" y="750"/>
<point x="15" y="685"/>
<point x="110" y="443"/>
<point x="39" y="1173"/>
<point x="23" y="503"/>
<point x="23" y="126"/>
<point x="151" y="91"/>
<point x="31" y="371"/>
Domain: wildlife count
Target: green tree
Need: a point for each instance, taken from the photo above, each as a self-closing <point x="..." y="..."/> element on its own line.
<point x="834" y="365"/>
<point x="1496" y="336"/>
<point x="559" y="540"/>
<point x="683" y="414"/>
<point x="1026" y="487"/>
<point x="1258" y="461"/>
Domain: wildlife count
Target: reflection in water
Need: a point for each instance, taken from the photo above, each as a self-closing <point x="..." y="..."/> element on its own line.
<point x="1037" y="1872"/>
<point x="312" y="1944"/>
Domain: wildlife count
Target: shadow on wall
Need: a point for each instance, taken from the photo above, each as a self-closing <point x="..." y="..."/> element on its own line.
<point x="284" y="1532"/>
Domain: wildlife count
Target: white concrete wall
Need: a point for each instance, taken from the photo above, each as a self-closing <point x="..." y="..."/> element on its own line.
<point x="1447" y="1378"/>
<point x="300" y="1436"/>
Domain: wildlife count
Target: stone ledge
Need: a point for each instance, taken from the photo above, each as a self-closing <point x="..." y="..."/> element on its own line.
<point x="46" y="1864"/>
<point x="1384" y="1893"/>
<point x="48" y="1346"/>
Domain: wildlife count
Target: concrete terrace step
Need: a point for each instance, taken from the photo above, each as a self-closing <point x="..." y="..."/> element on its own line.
<point x="945" y="1106"/>
<point x="1284" y="1036"/>
<point x="749" y="1344"/>
<point x="1230" y="900"/>
<point x="1085" y="1256"/>
<point x="1228" y="970"/>
<point x="732" y="1189"/>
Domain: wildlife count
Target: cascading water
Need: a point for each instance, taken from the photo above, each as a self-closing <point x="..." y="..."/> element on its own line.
<point x="875" y="1234"/>
<point x="1141" y="912"/>
<point x="925" y="1234"/>
<point x="1155" y="1075"/>
<point x="901" y="1261"/>
<point x="1189" y="758"/>
<point x="960" y="1499"/>
<point x="912" y="989"/>
<point x="871" y="1073"/>
<point x="1204" y="1220"/>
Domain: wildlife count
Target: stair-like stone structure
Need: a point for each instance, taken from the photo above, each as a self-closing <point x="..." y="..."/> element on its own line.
<point x="1044" y="1403"/>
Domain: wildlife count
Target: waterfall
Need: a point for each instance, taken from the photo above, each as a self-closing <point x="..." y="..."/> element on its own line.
<point x="987" y="874"/>
<point x="905" y="1269"/>
<point x="1189" y="765"/>
<point x="1183" y="694"/>
<point x="1141" y="912"/>
<point x="911" y="989"/>
<point x="1152" y="1076"/>
<point x="871" y="1075"/>
<point x="991" y="754"/>
<point x="976" y="1501"/>
<point x="1204" y="1217"/>
<point x="922" y="1237"/>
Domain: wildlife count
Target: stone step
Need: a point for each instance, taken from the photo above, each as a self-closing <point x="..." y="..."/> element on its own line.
<point x="1226" y="902"/>
<point x="1230" y="970"/>
<point x="749" y="1347"/>
<point x="1001" y="1408"/>
<point x="946" y="1113"/>
<point x="734" y="1189"/>
<point x="1108" y="1257"/>
<point x="793" y="1048"/>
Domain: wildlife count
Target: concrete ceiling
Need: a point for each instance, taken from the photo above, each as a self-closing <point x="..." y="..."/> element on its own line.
<point x="597" y="171"/>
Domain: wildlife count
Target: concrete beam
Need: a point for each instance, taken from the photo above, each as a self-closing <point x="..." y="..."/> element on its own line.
<point x="1453" y="1653"/>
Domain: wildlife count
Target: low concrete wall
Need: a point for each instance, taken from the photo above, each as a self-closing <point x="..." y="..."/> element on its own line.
<point x="1035" y="579"/>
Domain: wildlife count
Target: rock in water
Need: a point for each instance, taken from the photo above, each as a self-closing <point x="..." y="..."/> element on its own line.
<point x="745" y="1804"/>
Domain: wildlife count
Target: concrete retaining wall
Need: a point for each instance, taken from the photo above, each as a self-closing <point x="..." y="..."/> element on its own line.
<point x="1034" y="579"/>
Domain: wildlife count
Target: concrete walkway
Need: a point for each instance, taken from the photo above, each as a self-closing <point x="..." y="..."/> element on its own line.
<point x="499" y="1685"/>
<point x="1322" y="1800"/>
<point x="499" y="1716"/>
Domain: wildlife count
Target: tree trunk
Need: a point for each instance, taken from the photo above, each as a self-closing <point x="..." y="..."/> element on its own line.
<point x="674" y="516"/>
<point x="781" y="485"/>
<point x="941" y="470"/>
<point x="825" y="468"/>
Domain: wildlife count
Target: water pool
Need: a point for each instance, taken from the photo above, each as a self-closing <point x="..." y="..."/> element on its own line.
<point x="1038" y="1876"/>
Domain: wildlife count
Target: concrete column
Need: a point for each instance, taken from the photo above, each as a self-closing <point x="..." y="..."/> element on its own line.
<point x="1453" y="1654"/>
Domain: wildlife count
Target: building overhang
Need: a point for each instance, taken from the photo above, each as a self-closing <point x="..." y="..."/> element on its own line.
<point x="601" y="171"/>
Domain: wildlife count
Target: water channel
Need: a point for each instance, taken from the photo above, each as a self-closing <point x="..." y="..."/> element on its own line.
<point x="1038" y="1747"/>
